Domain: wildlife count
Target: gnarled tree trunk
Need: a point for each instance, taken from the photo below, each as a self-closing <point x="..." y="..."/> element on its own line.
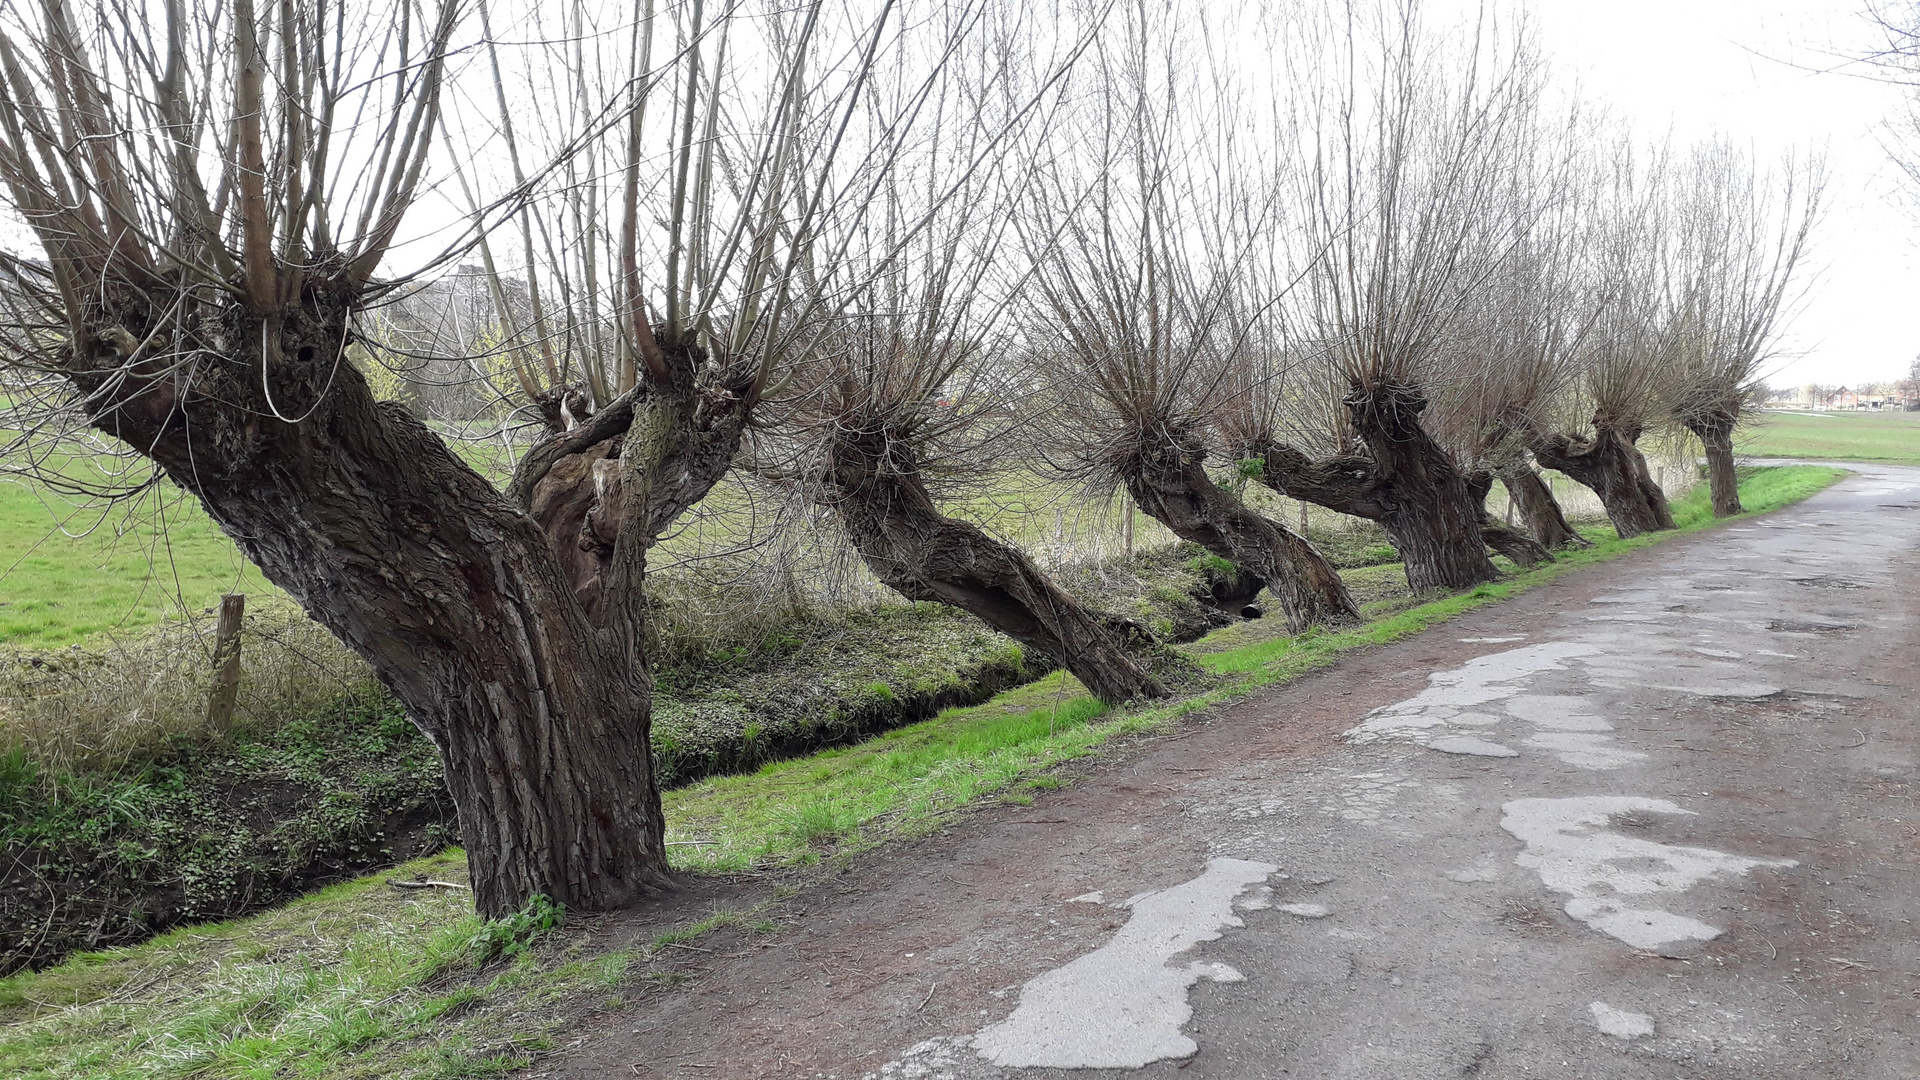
<point x="672" y="440"/>
<point x="920" y="553"/>
<point x="1524" y="550"/>
<point x="1539" y="509"/>
<point x="1723" y="479"/>
<point x="1614" y="468"/>
<point x="1405" y="481"/>
<point x="1169" y="482"/>
<point x="423" y="568"/>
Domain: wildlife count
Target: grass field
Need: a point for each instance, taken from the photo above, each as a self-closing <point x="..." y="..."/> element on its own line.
<point x="69" y="573"/>
<point x="362" y="980"/>
<point x="1892" y="437"/>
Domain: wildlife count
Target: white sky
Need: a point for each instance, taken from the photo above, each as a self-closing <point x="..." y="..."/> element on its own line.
<point x="1752" y="69"/>
<point x="1740" y="67"/>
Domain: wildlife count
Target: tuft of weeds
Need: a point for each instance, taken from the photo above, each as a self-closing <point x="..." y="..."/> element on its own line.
<point x="816" y="821"/>
<point x="508" y="937"/>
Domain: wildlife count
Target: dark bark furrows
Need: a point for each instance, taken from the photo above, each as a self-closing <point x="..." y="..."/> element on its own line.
<point x="451" y="593"/>
<point x="1723" y="479"/>
<point x="1540" y="510"/>
<point x="676" y="441"/>
<point x="924" y="555"/>
<point x="1171" y="485"/>
<point x="1614" y="468"/>
<point x="1405" y="481"/>
<point x="1524" y="550"/>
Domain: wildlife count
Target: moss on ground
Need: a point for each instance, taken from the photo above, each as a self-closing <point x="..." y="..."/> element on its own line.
<point x="820" y="682"/>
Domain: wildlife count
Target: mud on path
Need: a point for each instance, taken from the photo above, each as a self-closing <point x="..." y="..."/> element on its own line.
<point x="1657" y="819"/>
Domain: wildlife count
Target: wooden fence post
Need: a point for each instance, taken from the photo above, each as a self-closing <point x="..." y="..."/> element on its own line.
<point x="226" y="660"/>
<point x="1126" y="525"/>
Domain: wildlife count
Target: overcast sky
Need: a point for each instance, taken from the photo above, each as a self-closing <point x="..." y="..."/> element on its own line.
<point x="1758" y="70"/>
<point x="1741" y="67"/>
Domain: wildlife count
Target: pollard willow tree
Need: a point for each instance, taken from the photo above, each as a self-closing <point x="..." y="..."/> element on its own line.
<point x="1740" y="244"/>
<point x="664" y="307"/>
<point x="1517" y="342"/>
<point x="215" y="191"/>
<point x="1407" y="137"/>
<point x="904" y="397"/>
<point x="1592" y="432"/>
<point x="1523" y="349"/>
<point x="1144" y="237"/>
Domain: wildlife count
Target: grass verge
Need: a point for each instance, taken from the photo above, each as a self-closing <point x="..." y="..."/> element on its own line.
<point x="365" y="980"/>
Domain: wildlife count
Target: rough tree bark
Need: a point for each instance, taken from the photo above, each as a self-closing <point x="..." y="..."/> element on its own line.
<point x="1716" y="435"/>
<point x="670" y="438"/>
<point x="1614" y="468"/>
<point x="1524" y="550"/>
<point x="1170" y="483"/>
<point x="1404" y="481"/>
<point x="1539" y="509"/>
<point x="415" y="561"/>
<point x="875" y="486"/>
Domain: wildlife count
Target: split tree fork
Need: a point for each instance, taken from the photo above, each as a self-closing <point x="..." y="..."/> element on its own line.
<point x="872" y="480"/>
<point x="1539" y="510"/>
<point x="1167" y="478"/>
<point x="1524" y="550"/>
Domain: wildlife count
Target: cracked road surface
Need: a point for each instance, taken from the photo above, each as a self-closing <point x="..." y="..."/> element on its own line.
<point x="1655" y="820"/>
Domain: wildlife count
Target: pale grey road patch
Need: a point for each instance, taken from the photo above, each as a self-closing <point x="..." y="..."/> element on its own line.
<point x="1620" y="1023"/>
<point x="1606" y="873"/>
<point x="1121" y="1006"/>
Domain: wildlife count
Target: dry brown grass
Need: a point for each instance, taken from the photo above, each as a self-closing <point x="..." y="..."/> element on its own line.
<point x="123" y="700"/>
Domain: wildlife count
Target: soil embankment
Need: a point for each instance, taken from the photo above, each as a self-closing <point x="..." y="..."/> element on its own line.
<point x="225" y="827"/>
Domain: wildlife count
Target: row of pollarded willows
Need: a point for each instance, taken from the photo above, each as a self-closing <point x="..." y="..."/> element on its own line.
<point x="868" y="254"/>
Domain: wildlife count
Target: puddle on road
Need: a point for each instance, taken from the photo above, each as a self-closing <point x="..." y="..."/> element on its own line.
<point x="1121" y="1006"/>
<point x="1573" y="851"/>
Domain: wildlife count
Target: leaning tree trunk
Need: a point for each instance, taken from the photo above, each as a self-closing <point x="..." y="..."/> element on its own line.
<point x="1524" y="550"/>
<point x="1405" y="481"/>
<point x="1614" y="468"/>
<point x="447" y="589"/>
<point x="1169" y="482"/>
<point x="924" y="555"/>
<point x="1716" y="435"/>
<point x="1539" y="509"/>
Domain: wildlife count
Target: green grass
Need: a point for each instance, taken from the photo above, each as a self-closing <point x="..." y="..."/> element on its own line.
<point x="360" y="980"/>
<point x="1892" y="437"/>
<point x="67" y="574"/>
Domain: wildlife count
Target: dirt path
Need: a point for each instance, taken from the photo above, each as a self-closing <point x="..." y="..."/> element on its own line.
<point x="1656" y="820"/>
